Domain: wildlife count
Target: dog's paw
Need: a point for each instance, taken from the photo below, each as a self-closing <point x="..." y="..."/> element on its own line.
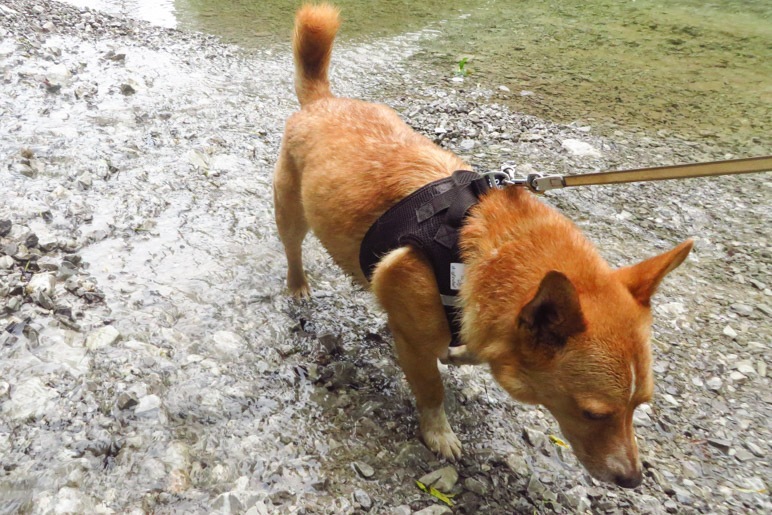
<point x="300" y="292"/>
<point x="438" y="435"/>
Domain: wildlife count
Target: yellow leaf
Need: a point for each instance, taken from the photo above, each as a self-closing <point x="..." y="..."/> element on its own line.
<point x="557" y="441"/>
<point x="446" y="498"/>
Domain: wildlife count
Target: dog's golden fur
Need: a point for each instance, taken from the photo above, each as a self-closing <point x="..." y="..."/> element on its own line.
<point x="554" y="322"/>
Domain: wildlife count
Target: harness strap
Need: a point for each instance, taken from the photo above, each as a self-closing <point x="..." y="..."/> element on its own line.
<point x="429" y="219"/>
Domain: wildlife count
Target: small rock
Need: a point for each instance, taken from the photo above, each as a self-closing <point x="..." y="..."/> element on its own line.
<point x="5" y="227"/>
<point x="742" y="309"/>
<point x="536" y="489"/>
<point x="580" y="148"/>
<point x="745" y="367"/>
<point x="722" y="445"/>
<point x="671" y="506"/>
<point x="126" y="401"/>
<point x="364" y="470"/>
<point x="402" y="509"/>
<point x="526" y="93"/>
<point x="332" y="343"/>
<point x="475" y="485"/>
<point x="4" y="389"/>
<point x="48" y="26"/>
<point x="682" y="495"/>
<point x="361" y="498"/>
<point x="127" y="89"/>
<point x="443" y="479"/>
<point x="466" y="145"/>
<point x="504" y="88"/>
<point x="31" y="241"/>
<point x="147" y="405"/>
<point x="102" y="337"/>
<point x="728" y="331"/>
<point x="6" y="262"/>
<point x="534" y="437"/>
<point x="29" y="399"/>
<point x="714" y="384"/>
<point x="742" y="455"/>
<point x="228" y="503"/>
<point x="13" y="304"/>
<point x="434" y="509"/>
<point x="764" y="309"/>
<point x="574" y="497"/>
<point x="228" y="344"/>
<point x="755" y="449"/>
<point x="737" y="378"/>
<point x="41" y="283"/>
<point x="691" y="469"/>
<point x="518" y="465"/>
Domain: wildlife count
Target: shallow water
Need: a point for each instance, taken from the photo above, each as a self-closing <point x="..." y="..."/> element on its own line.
<point x="691" y="69"/>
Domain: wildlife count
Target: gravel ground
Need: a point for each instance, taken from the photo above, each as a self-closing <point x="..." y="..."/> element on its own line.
<point x="149" y="361"/>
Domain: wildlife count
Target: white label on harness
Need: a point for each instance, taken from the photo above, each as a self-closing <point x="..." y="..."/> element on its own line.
<point x="456" y="275"/>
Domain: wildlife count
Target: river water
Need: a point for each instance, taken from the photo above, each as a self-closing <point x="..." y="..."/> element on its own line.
<point x="691" y="68"/>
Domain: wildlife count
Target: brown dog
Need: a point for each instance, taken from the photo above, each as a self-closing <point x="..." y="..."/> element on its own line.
<point x="555" y="324"/>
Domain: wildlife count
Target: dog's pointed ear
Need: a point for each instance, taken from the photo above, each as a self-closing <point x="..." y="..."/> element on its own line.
<point x="643" y="279"/>
<point x="554" y="314"/>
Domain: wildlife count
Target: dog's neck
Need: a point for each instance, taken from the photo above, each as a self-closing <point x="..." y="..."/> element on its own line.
<point x="509" y="242"/>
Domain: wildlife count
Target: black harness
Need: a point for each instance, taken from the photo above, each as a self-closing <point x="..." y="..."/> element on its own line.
<point x="429" y="220"/>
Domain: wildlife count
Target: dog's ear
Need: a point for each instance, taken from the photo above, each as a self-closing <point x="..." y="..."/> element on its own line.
<point x="643" y="279"/>
<point x="555" y="313"/>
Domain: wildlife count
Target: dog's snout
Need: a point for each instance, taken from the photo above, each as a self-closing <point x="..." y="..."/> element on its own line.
<point x="629" y="481"/>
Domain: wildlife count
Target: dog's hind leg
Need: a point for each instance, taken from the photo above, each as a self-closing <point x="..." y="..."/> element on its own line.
<point x="290" y="221"/>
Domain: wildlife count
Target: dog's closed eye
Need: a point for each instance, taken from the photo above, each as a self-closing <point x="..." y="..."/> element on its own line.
<point x="592" y="415"/>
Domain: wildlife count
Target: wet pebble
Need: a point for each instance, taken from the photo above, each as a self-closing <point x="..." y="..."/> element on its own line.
<point x="362" y="499"/>
<point x="364" y="470"/>
<point x="102" y="337"/>
<point x="148" y="405"/>
<point x="443" y="479"/>
<point x="228" y="344"/>
<point x="714" y="383"/>
<point x="5" y="227"/>
<point x="435" y="509"/>
<point x="6" y="262"/>
<point x="475" y="485"/>
<point x="728" y="331"/>
<point x="41" y="283"/>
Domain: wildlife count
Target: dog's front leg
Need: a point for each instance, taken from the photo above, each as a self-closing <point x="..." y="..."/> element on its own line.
<point x="405" y="286"/>
<point x="422" y="374"/>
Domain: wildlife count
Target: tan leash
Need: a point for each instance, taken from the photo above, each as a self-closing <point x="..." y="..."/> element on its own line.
<point x="540" y="183"/>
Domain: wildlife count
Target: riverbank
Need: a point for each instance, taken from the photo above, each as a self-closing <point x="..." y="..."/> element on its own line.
<point x="149" y="360"/>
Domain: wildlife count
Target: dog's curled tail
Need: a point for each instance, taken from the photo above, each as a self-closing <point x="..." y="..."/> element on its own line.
<point x="315" y="29"/>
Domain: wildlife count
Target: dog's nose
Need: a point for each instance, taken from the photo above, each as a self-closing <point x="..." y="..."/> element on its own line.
<point x="629" y="481"/>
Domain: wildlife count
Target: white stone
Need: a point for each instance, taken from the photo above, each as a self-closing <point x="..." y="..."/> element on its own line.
<point x="580" y="148"/>
<point x="102" y="337"/>
<point x="504" y="88"/>
<point x="714" y="383"/>
<point x="58" y="74"/>
<point x="728" y="331"/>
<point x="442" y="479"/>
<point x="6" y="262"/>
<point x="42" y="283"/>
<point x="29" y="399"/>
<point x="745" y="367"/>
<point x="147" y="405"/>
<point x="228" y="344"/>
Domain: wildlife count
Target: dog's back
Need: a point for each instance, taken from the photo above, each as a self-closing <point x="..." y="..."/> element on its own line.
<point x="347" y="160"/>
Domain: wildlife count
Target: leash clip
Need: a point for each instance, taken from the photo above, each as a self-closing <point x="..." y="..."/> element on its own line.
<point x="539" y="183"/>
